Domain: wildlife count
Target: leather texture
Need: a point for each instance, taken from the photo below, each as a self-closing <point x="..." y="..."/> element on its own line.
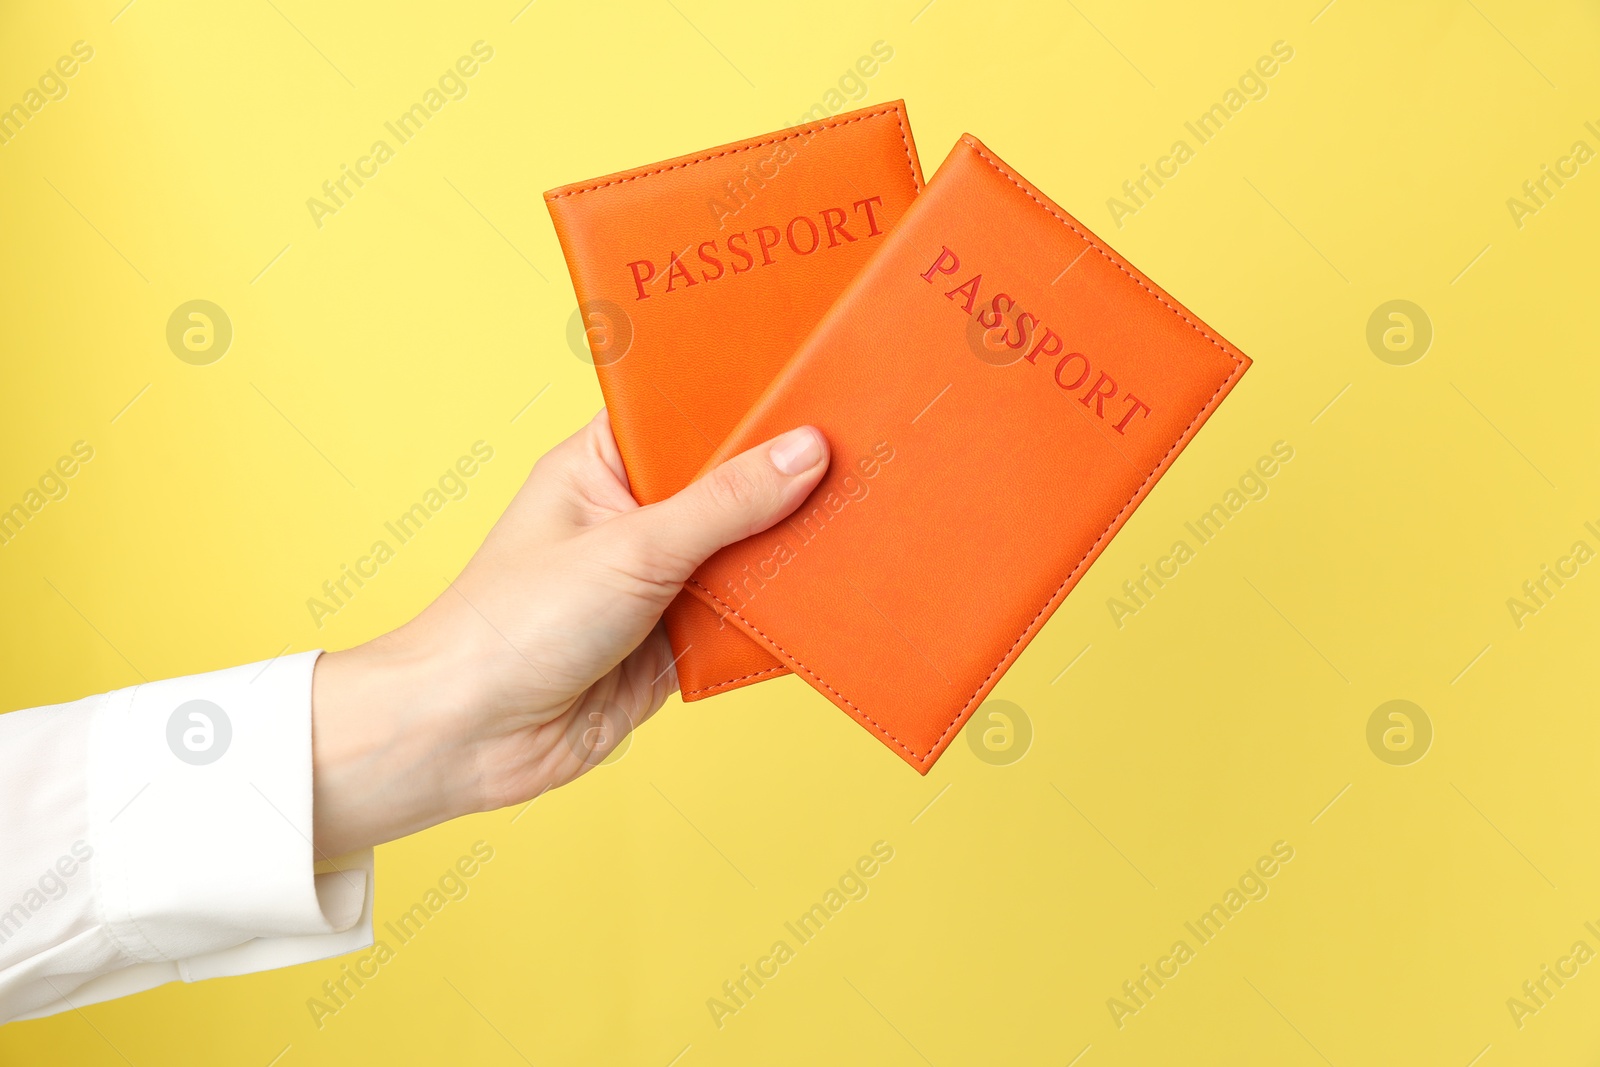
<point x="1000" y="390"/>
<point x="697" y="278"/>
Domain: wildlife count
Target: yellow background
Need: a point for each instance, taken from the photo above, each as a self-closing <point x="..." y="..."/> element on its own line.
<point x="1227" y="715"/>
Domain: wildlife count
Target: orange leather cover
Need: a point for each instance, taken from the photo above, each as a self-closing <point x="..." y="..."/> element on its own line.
<point x="999" y="389"/>
<point x="697" y="279"/>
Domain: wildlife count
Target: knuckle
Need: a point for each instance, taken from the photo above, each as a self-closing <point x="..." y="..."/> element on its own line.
<point x="732" y="488"/>
<point x="550" y="466"/>
<point x="654" y="565"/>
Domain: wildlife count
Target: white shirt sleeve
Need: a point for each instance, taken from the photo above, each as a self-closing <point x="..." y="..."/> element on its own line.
<point x="163" y="833"/>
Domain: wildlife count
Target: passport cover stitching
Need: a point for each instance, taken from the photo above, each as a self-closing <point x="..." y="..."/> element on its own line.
<point x="1211" y="402"/>
<point x="780" y="668"/>
<point x="801" y="131"/>
<point x="1094" y="242"/>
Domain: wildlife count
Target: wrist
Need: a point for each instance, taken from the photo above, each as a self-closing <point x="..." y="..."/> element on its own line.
<point x="389" y="754"/>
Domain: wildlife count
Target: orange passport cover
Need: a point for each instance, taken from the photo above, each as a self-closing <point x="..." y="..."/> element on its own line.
<point x="697" y="279"/>
<point x="999" y="390"/>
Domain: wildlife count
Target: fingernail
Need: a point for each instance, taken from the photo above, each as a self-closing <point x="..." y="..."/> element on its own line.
<point x="796" y="451"/>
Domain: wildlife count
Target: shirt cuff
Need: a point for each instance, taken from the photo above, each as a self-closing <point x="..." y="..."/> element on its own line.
<point x="200" y="820"/>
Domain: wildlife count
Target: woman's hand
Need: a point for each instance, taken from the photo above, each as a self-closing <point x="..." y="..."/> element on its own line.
<point x="544" y="653"/>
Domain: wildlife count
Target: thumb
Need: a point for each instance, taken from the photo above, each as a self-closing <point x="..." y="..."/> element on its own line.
<point x="730" y="502"/>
